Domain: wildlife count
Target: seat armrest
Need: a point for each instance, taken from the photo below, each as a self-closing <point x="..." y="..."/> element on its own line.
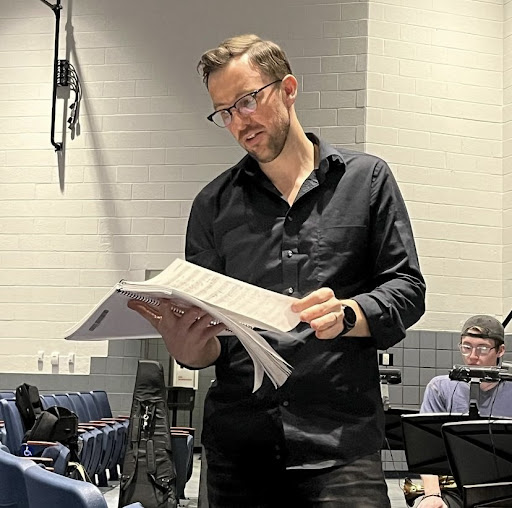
<point x="41" y="443"/>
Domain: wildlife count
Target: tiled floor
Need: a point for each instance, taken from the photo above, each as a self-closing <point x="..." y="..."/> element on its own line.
<point x="192" y="489"/>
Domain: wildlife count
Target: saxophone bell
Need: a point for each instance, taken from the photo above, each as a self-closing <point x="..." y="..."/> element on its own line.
<point x="412" y="490"/>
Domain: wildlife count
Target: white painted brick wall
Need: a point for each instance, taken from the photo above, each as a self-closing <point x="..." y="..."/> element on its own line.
<point x="507" y="157"/>
<point x="119" y="203"/>
<point x="435" y="112"/>
<point x="434" y="76"/>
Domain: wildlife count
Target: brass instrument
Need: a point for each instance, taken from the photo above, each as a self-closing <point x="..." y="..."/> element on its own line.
<point x="412" y="491"/>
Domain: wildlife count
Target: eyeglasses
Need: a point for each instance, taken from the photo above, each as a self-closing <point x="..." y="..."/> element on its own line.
<point x="466" y="349"/>
<point x="245" y="106"/>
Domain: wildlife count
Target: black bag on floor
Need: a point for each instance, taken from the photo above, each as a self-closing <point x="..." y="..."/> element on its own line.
<point x="148" y="475"/>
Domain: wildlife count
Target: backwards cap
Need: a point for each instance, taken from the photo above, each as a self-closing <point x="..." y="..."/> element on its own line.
<point x="489" y="328"/>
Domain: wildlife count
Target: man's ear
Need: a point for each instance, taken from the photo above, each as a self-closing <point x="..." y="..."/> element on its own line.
<point x="501" y="350"/>
<point x="290" y="87"/>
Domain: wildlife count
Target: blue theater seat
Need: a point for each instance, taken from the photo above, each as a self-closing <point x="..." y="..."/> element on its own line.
<point x="26" y="485"/>
<point x="13" y="491"/>
<point x="182" y="445"/>
<point x="98" y="413"/>
<point x="90" y="438"/>
<point x="45" y="489"/>
<point x="111" y="441"/>
<point x="50" y="452"/>
<point x="93" y="438"/>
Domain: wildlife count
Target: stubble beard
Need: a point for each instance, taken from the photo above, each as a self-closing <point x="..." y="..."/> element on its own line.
<point x="276" y="143"/>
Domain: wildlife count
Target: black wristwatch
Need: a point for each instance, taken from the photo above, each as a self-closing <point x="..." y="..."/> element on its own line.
<point x="349" y="319"/>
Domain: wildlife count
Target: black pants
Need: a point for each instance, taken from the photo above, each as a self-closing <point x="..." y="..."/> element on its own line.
<point x="360" y="484"/>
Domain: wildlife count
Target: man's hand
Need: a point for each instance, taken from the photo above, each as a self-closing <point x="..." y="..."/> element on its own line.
<point x="188" y="334"/>
<point x="324" y="313"/>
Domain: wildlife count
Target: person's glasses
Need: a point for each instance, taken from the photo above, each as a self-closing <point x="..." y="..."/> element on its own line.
<point x="245" y="106"/>
<point x="466" y="349"/>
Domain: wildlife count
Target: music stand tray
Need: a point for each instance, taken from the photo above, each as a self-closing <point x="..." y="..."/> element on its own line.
<point x="479" y="451"/>
<point x="394" y="439"/>
<point x="488" y="495"/>
<point x="424" y="445"/>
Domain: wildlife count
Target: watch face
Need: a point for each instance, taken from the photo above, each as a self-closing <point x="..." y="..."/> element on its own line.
<point x="350" y="317"/>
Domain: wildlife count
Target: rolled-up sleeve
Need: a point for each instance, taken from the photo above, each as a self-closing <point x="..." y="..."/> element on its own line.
<point x="398" y="298"/>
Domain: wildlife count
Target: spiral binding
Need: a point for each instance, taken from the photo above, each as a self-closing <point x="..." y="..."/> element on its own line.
<point x="176" y="310"/>
<point x="141" y="298"/>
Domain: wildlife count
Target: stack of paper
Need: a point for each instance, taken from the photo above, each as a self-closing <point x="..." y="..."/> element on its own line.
<point x="240" y="306"/>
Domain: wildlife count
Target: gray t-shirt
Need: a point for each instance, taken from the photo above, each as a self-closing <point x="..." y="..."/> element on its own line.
<point x="444" y="395"/>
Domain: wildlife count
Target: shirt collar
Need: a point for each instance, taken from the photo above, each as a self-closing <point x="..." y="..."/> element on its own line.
<point x="326" y="155"/>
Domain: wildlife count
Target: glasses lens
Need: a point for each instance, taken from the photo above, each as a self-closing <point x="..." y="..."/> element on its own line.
<point x="246" y="105"/>
<point x="466" y="350"/>
<point x="221" y="118"/>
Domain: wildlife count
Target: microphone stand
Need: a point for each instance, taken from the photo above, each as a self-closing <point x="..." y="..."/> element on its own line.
<point x="476" y="375"/>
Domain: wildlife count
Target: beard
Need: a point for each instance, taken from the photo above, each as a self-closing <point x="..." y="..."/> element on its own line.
<point x="277" y="140"/>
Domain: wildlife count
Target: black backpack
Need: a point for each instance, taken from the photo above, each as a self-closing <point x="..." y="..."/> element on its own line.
<point x="53" y="424"/>
<point x="148" y="475"/>
<point x="28" y="404"/>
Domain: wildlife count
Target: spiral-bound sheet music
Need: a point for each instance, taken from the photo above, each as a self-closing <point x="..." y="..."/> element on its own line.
<point x="240" y="306"/>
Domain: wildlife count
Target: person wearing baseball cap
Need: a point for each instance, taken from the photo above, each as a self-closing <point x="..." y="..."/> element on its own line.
<point x="478" y="333"/>
<point x="482" y="343"/>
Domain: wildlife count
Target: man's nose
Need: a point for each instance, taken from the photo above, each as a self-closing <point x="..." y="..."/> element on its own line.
<point x="473" y="355"/>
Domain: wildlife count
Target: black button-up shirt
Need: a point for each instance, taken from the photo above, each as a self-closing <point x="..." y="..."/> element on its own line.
<point x="348" y="229"/>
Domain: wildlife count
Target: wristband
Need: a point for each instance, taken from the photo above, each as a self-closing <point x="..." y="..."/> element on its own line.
<point x="430" y="495"/>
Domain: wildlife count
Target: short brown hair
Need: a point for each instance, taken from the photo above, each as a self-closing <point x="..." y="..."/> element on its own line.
<point x="266" y="55"/>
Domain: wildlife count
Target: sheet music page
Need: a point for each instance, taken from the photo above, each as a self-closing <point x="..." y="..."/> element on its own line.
<point x="227" y="300"/>
<point x="264" y="308"/>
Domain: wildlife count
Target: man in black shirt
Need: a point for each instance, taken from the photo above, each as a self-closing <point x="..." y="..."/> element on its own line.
<point x="329" y="227"/>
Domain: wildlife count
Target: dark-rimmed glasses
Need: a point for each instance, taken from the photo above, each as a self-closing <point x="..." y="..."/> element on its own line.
<point x="467" y="349"/>
<point x="245" y="106"/>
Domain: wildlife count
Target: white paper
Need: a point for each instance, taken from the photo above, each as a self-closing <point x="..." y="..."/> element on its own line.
<point x="237" y="304"/>
<point x="253" y="305"/>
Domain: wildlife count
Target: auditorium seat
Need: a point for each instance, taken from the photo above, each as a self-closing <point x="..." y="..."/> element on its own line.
<point x="13" y="491"/>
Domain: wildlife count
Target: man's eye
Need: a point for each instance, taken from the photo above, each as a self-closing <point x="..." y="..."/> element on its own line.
<point x="245" y="101"/>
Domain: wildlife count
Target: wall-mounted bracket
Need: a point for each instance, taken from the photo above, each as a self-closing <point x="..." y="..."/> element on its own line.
<point x="56" y="8"/>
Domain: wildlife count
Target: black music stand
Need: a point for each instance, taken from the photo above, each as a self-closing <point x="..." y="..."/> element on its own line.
<point x="480" y="456"/>
<point x="394" y="438"/>
<point x="424" y="445"/>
